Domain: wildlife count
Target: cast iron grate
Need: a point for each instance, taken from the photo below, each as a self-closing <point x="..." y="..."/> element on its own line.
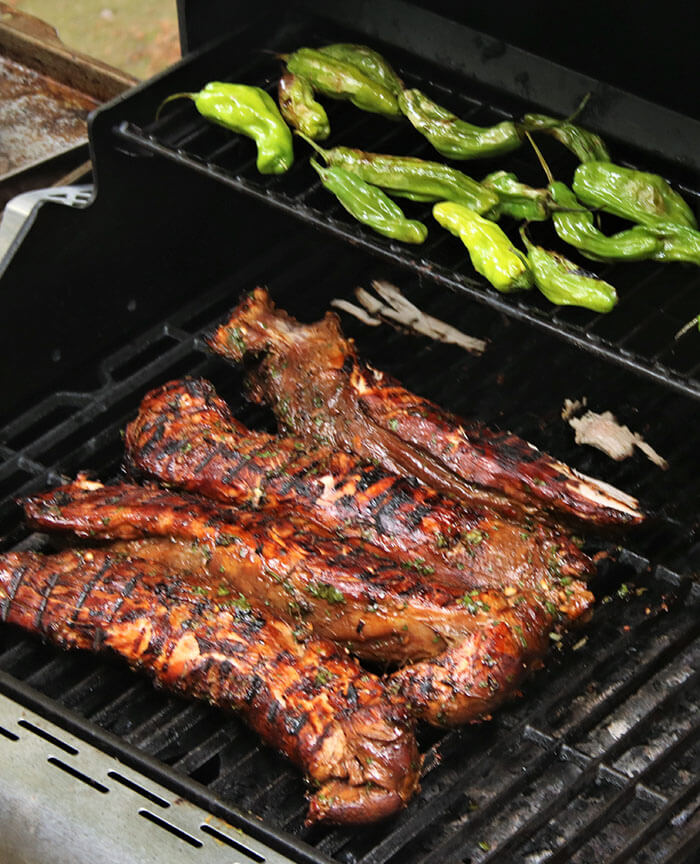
<point x="599" y="760"/>
<point x="655" y="300"/>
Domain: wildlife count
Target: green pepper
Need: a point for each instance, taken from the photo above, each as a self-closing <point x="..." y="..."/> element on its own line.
<point x="587" y="146"/>
<point x="575" y="226"/>
<point x="635" y="195"/>
<point x="678" y="243"/>
<point x="371" y="63"/>
<point x="564" y="283"/>
<point x="517" y="200"/>
<point x="490" y="249"/>
<point x="411" y="178"/>
<point x="370" y="205"/>
<point x="250" y="111"/>
<point x="342" y="80"/>
<point x="299" y="108"/>
<point x="455" y="138"/>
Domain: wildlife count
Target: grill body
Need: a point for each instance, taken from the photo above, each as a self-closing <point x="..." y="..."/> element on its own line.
<point x="599" y="759"/>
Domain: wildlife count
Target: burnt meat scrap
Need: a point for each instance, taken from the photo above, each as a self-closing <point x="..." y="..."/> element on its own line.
<point x="475" y="647"/>
<point x="303" y="695"/>
<point x="312" y="377"/>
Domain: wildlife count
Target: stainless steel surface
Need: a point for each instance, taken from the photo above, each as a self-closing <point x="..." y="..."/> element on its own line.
<point x="19" y="209"/>
<point x="64" y="801"/>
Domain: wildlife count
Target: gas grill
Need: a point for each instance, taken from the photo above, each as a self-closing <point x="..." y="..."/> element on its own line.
<point x="599" y="761"/>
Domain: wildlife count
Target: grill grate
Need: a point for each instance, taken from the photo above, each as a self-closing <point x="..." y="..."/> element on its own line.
<point x="599" y="761"/>
<point x="655" y="300"/>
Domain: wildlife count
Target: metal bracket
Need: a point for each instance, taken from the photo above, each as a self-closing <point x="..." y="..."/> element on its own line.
<point x="63" y="800"/>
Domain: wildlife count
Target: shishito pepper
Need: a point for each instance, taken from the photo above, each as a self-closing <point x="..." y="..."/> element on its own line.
<point x="370" y="205"/>
<point x="635" y="195"/>
<point x="299" y="108"/>
<point x="368" y="61"/>
<point x="250" y="111"/>
<point x="340" y="79"/>
<point x="516" y="199"/>
<point x="644" y="198"/>
<point x="575" y="225"/>
<point x="455" y="138"/>
<point x="678" y="243"/>
<point x="416" y="179"/>
<point x="586" y="145"/>
<point x="564" y="283"/>
<point x="490" y="249"/>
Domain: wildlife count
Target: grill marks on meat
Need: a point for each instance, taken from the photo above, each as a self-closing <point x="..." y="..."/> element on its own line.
<point x="185" y="435"/>
<point x="342" y="589"/>
<point x="304" y="696"/>
<point x="312" y="377"/>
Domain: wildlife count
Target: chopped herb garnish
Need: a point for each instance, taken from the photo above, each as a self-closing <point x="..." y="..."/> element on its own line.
<point x="241" y="603"/>
<point x="323" y="676"/>
<point x="325" y="592"/>
<point x="521" y="636"/>
<point x="235" y="338"/>
<point x="226" y="539"/>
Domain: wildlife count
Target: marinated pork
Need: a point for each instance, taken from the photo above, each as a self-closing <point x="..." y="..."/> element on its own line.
<point x="344" y="589"/>
<point x="303" y="695"/>
<point x="320" y="389"/>
<point x="185" y="435"/>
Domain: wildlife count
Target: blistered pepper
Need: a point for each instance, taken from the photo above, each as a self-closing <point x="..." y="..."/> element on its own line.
<point x="342" y="80"/>
<point x="299" y="108"/>
<point x="368" y="61"/>
<point x="566" y="284"/>
<point x="370" y="205"/>
<point x="635" y="195"/>
<point x="678" y="243"/>
<point x="250" y="111"/>
<point x="575" y="225"/>
<point x="490" y="249"/>
<point x="416" y="179"/>
<point x="584" y="144"/>
<point x="455" y="138"/>
<point x="515" y="199"/>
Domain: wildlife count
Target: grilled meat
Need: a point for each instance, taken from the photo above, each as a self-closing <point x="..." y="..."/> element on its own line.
<point x="345" y="590"/>
<point x="302" y="695"/>
<point x="185" y="435"/>
<point x="319" y="388"/>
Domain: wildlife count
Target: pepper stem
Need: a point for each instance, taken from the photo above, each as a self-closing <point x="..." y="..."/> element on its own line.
<point x="581" y="105"/>
<point x="524" y="237"/>
<point x="542" y="160"/>
<point x="312" y="143"/>
<point x="171" y="98"/>
<point x="689" y="326"/>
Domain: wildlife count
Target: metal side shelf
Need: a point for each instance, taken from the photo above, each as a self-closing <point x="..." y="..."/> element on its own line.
<point x="64" y="800"/>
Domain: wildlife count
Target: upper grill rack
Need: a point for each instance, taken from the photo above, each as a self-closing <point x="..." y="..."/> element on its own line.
<point x="655" y="300"/>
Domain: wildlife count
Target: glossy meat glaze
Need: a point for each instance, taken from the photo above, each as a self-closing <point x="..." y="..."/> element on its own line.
<point x="185" y="436"/>
<point x="320" y="389"/>
<point x="344" y="589"/>
<point x="303" y="695"/>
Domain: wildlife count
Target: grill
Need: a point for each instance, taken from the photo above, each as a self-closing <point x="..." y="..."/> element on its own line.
<point x="599" y="760"/>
